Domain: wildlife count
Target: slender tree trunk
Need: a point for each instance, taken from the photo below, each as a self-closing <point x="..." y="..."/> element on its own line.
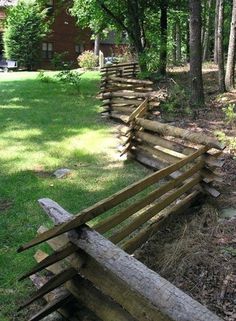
<point x="204" y="15"/>
<point x="174" y="43"/>
<point x="207" y="32"/>
<point x="216" y="32"/>
<point x="221" y="67"/>
<point x="187" y="41"/>
<point x="178" y="41"/>
<point x="197" y="93"/>
<point x="137" y="31"/>
<point x="230" y="69"/>
<point x="163" y="47"/>
<point x="97" y="44"/>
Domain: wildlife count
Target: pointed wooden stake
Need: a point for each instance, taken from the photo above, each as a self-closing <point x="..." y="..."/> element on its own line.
<point x="51" y="259"/>
<point x="52" y="284"/>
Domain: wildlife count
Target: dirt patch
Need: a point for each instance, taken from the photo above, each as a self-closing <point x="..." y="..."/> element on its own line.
<point x="197" y="253"/>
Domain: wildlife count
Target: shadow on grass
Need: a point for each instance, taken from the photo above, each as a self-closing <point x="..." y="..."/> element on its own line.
<point x="45" y="126"/>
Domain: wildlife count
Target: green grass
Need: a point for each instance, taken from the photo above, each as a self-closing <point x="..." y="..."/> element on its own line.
<point x="43" y="127"/>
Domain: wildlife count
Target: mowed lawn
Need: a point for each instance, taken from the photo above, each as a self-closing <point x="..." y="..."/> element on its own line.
<point x="44" y="127"/>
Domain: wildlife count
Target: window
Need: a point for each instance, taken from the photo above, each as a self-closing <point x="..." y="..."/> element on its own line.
<point x="79" y="49"/>
<point x="47" y="50"/>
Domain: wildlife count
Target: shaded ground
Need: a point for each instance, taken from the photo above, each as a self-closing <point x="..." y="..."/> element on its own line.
<point x="197" y="252"/>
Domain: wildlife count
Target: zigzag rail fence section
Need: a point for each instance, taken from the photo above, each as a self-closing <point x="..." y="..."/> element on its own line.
<point x="92" y="269"/>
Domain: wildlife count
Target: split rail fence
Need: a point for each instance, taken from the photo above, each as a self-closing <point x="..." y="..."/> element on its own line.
<point x="91" y="265"/>
<point x="92" y="268"/>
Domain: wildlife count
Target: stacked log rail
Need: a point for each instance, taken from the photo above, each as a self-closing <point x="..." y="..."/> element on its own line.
<point x="92" y="270"/>
<point x="121" y="104"/>
<point x="130" y="69"/>
<point x="121" y="95"/>
<point x="158" y="145"/>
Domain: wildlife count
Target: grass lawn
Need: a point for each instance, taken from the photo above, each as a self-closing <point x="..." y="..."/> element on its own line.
<point x="46" y="126"/>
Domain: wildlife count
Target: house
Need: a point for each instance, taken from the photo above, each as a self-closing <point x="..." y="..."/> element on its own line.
<point x="65" y="36"/>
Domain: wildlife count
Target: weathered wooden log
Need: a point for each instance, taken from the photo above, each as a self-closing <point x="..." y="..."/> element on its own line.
<point x="148" y="160"/>
<point x="131" y="63"/>
<point x="115" y="219"/>
<point x="63" y="252"/>
<point x="137" y="306"/>
<point x="181" y="207"/>
<point x="131" y="81"/>
<point x="148" y="138"/>
<point x="39" y="281"/>
<point x="128" y="95"/>
<point x="162" y="294"/>
<point x="157" y="153"/>
<point x="181" y="149"/>
<point x="123" y="110"/>
<point x="139" y="111"/>
<point x="153" y="211"/>
<point x="52" y="307"/>
<point x="104" y="307"/>
<point x="52" y="284"/>
<point x="210" y="190"/>
<point x="121" y="117"/>
<point x="76" y="310"/>
<point x="125" y="102"/>
<point x="110" y="202"/>
<point x="167" y="130"/>
<point x="91" y="298"/>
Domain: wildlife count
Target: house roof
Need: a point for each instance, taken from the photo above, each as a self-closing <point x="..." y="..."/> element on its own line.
<point x="7" y="3"/>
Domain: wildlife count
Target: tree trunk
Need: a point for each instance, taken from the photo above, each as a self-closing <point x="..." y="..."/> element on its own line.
<point x="178" y="41"/>
<point x="221" y="68"/>
<point x="207" y="32"/>
<point x="197" y="93"/>
<point x="187" y="41"/>
<point x="97" y="44"/>
<point x="159" y="292"/>
<point x="163" y="46"/>
<point x="174" y="43"/>
<point x="230" y="69"/>
<point x="216" y="32"/>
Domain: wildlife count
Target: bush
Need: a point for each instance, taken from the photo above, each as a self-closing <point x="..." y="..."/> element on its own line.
<point x="26" y="26"/>
<point x="87" y="60"/>
<point x="230" y="114"/>
<point x="58" y="60"/>
<point x="70" y="77"/>
<point x="44" y="78"/>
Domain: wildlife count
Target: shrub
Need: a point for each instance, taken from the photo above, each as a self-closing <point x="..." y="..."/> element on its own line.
<point x="26" y="26"/>
<point x="176" y="102"/>
<point x="71" y="77"/>
<point x="44" y="78"/>
<point x="87" y="60"/>
<point x="230" y="114"/>
<point x="58" y="60"/>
